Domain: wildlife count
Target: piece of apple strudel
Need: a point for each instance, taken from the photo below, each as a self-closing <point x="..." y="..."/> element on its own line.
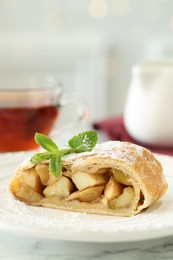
<point x="116" y="178"/>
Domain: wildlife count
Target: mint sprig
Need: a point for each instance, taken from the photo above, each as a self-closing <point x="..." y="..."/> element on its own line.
<point x="83" y="142"/>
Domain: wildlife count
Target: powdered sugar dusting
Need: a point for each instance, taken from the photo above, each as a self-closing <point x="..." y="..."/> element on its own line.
<point x="113" y="149"/>
<point x="112" y="145"/>
<point x="108" y="145"/>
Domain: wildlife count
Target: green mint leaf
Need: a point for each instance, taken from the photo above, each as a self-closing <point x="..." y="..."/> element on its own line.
<point x="38" y="157"/>
<point x="84" y="142"/>
<point x="64" y="152"/>
<point x="55" y="166"/>
<point x="46" y="143"/>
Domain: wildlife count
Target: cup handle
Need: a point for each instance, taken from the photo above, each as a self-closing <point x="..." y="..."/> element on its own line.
<point x="76" y="106"/>
<point x="73" y="117"/>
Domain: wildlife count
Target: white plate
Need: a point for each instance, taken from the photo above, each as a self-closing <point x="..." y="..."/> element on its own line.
<point x="15" y="216"/>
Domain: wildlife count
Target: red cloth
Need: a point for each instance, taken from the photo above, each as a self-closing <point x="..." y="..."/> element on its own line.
<point x="115" y="130"/>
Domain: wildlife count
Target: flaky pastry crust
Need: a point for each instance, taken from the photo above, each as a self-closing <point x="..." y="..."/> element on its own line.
<point x="116" y="178"/>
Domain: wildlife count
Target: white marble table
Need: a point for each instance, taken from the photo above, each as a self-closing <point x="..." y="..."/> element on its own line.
<point x="16" y="247"/>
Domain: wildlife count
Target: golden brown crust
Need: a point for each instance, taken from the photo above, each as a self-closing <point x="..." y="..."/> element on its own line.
<point x="138" y="164"/>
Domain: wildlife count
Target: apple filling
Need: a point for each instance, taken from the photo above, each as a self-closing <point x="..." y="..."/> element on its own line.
<point x="110" y="187"/>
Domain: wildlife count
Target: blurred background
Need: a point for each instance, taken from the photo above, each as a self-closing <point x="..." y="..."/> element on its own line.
<point x="88" y="45"/>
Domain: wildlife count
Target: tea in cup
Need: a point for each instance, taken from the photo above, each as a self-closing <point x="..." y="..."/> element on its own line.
<point x="28" y="104"/>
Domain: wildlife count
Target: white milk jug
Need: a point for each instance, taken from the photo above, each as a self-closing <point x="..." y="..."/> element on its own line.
<point x="148" y="114"/>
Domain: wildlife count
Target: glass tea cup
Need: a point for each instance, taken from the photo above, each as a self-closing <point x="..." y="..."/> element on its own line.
<point x="29" y="104"/>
